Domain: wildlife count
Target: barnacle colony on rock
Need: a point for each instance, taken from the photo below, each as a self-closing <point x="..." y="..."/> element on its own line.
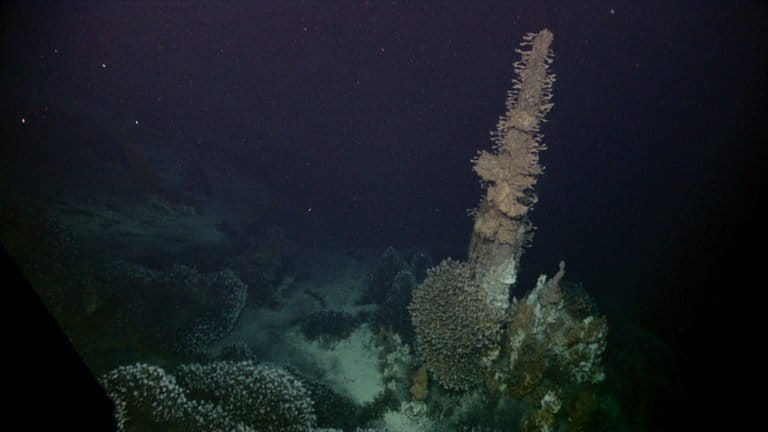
<point x="468" y="331"/>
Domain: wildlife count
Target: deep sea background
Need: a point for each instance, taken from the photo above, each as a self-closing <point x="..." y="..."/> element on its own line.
<point x="352" y="124"/>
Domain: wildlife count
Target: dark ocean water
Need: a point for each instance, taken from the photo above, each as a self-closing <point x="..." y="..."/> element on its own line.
<point x="200" y="183"/>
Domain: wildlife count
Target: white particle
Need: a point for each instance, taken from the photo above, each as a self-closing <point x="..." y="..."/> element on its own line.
<point x="103" y="65"/>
